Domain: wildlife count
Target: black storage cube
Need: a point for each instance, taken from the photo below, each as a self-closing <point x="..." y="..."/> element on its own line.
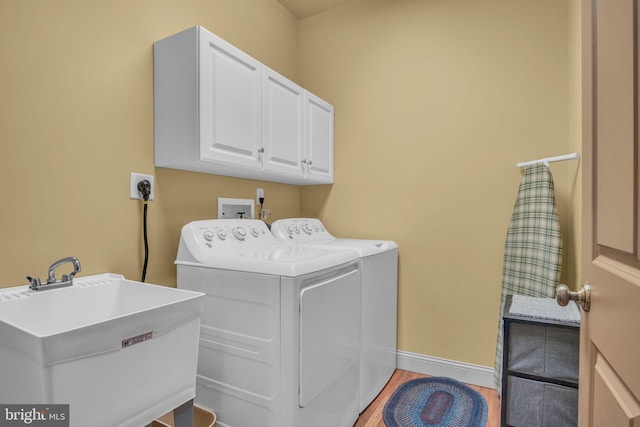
<point x="538" y="404"/>
<point x="539" y="371"/>
<point x="544" y="351"/>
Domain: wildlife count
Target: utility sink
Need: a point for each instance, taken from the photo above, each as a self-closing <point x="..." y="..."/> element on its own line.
<point x="119" y="352"/>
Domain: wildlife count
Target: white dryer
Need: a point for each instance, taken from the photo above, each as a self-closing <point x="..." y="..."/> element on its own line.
<point x="379" y="293"/>
<point x="280" y="330"/>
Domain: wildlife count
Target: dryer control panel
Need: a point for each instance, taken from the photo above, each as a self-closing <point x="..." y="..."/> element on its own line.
<point x="298" y="230"/>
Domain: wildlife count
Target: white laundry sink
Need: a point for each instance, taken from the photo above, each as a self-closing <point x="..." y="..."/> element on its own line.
<point x="120" y="353"/>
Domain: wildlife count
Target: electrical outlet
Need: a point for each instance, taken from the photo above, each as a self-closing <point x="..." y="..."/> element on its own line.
<point x="134" y="194"/>
<point x="259" y="193"/>
<point x="265" y="214"/>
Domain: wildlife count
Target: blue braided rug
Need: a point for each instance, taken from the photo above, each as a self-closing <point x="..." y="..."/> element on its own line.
<point x="435" y="402"/>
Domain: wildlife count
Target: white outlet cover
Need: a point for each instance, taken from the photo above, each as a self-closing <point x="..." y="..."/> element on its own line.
<point x="259" y="193"/>
<point x="134" y="194"/>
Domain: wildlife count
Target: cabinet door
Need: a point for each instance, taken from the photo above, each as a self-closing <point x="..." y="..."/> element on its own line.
<point x="230" y="103"/>
<point x="318" y="139"/>
<point x="283" y="115"/>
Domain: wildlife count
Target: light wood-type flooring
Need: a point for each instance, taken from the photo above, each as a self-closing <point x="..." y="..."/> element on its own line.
<point x="372" y="416"/>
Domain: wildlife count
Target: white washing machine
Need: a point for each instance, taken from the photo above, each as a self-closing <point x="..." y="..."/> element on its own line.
<point x="280" y="330"/>
<point x="379" y="293"/>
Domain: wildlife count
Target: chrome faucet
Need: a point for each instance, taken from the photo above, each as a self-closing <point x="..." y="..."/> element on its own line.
<point x="67" y="279"/>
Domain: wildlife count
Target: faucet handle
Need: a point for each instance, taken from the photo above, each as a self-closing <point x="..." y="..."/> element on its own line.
<point x="34" y="282"/>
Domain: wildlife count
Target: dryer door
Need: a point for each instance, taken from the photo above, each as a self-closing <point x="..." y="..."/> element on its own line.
<point x="329" y="333"/>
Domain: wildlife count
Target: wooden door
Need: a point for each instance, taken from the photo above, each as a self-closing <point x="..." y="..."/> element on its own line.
<point x="610" y="331"/>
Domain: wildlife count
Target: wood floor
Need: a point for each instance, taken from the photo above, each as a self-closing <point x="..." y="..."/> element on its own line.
<point x="372" y="416"/>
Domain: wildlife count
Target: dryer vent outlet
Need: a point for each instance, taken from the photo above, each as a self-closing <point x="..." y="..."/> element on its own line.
<point x="235" y="208"/>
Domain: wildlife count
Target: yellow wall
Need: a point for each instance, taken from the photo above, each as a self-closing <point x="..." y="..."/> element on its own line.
<point x="435" y="102"/>
<point x="76" y="118"/>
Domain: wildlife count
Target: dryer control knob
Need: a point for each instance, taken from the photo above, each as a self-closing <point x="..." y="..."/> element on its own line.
<point x="307" y="228"/>
<point x="290" y="229"/>
<point x="255" y="232"/>
<point x="297" y="229"/>
<point x="208" y="235"/>
<point x="222" y="234"/>
<point x="239" y="233"/>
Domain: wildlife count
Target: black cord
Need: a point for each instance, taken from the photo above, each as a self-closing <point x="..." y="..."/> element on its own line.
<point x="146" y="243"/>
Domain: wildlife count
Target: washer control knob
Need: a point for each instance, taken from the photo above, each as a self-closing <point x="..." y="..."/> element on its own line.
<point x="316" y="228"/>
<point x="255" y="232"/>
<point x="222" y="234"/>
<point x="208" y="235"/>
<point x="290" y="229"/>
<point x="307" y="228"/>
<point x="239" y="233"/>
<point x="297" y="229"/>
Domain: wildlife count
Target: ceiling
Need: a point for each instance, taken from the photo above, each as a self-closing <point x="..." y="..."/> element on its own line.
<point x="304" y="8"/>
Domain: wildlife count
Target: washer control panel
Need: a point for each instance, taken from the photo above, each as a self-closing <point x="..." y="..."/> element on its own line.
<point x="299" y="230"/>
<point x="228" y="233"/>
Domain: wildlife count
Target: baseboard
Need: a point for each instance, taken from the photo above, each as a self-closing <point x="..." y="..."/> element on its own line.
<point x="434" y="366"/>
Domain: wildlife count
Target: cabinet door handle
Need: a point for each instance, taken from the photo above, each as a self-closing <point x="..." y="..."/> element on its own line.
<point x="582" y="297"/>
<point x="310" y="162"/>
<point x="261" y="150"/>
<point x="304" y="161"/>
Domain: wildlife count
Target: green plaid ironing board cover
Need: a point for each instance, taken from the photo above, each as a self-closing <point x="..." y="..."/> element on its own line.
<point x="533" y="247"/>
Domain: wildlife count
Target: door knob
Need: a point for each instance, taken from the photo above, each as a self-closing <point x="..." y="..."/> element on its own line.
<point x="582" y="297"/>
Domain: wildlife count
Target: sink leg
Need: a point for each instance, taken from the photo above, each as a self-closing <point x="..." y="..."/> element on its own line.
<point x="183" y="414"/>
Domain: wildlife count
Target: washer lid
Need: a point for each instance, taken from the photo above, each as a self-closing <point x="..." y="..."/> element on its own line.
<point x="279" y="260"/>
<point x="248" y="246"/>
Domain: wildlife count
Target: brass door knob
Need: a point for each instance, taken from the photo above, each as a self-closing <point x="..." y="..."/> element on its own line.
<point x="582" y="297"/>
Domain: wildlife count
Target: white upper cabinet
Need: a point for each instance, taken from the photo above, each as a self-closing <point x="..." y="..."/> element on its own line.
<point x="218" y="110"/>
<point x="283" y="125"/>
<point x="230" y="103"/>
<point x="318" y="139"/>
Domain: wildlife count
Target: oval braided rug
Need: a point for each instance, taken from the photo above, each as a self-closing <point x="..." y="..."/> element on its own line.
<point x="435" y="402"/>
